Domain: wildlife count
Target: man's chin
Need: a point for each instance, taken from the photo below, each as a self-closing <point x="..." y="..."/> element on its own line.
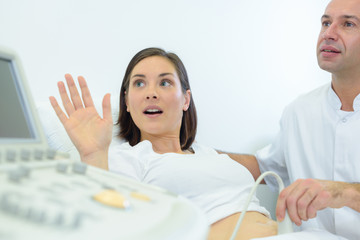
<point x="327" y="66"/>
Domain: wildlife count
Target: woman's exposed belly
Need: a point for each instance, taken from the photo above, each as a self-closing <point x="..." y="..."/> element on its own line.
<point x="253" y="225"/>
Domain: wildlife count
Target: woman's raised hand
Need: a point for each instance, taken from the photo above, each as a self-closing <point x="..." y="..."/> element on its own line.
<point x="90" y="133"/>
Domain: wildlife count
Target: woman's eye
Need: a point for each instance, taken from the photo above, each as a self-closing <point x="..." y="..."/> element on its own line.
<point x="165" y="83"/>
<point x="138" y="83"/>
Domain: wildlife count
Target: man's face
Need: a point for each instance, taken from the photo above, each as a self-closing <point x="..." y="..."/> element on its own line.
<point x="338" y="47"/>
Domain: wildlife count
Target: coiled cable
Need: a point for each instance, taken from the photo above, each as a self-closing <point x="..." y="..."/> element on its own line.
<point x="283" y="227"/>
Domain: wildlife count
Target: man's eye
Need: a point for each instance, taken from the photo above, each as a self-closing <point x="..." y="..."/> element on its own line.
<point x="348" y="24"/>
<point x="326" y="24"/>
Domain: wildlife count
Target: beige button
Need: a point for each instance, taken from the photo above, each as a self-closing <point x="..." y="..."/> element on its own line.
<point x="112" y="198"/>
<point x="140" y="196"/>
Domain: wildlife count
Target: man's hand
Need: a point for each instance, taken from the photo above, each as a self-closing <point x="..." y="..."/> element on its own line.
<point x="305" y="197"/>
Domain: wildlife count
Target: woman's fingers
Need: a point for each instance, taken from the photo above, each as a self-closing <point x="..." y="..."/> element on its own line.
<point x="59" y="112"/>
<point x="85" y="92"/>
<point x="106" y="105"/>
<point x="69" y="108"/>
<point x="74" y="94"/>
<point x="78" y="102"/>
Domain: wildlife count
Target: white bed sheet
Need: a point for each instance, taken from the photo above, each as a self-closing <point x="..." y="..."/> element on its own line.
<point x="310" y="234"/>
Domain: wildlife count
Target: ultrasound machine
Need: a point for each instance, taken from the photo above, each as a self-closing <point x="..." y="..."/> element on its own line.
<point x="44" y="194"/>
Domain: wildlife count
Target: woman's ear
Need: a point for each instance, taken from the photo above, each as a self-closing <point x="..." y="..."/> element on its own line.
<point x="187" y="96"/>
<point x="126" y="102"/>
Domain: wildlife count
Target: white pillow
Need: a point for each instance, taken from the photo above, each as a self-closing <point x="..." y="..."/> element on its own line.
<point x="55" y="132"/>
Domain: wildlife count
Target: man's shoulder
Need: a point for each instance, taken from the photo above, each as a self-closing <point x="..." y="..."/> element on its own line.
<point x="309" y="102"/>
<point x="314" y="95"/>
<point x="311" y="98"/>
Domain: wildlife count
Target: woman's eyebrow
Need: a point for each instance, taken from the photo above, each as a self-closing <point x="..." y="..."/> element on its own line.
<point x="138" y="75"/>
<point x="160" y="75"/>
<point x="164" y="74"/>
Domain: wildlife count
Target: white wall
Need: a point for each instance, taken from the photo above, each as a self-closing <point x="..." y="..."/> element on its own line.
<point x="246" y="59"/>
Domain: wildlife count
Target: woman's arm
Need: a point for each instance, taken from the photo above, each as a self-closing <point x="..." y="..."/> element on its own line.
<point x="90" y="133"/>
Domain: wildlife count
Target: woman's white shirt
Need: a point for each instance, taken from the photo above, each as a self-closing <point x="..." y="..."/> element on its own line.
<point x="214" y="182"/>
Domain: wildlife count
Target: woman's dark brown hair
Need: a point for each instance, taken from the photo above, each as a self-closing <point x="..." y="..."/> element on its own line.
<point x="128" y="130"/>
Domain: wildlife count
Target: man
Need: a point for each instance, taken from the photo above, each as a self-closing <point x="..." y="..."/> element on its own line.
<point x="317" y="151"/>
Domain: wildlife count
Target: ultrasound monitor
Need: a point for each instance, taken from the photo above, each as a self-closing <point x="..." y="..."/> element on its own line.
<point x="20" y="128"/>
<point x="15" y="122"/>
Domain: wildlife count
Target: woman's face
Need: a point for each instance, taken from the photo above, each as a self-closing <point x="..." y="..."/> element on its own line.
<point x="155" y="99"/>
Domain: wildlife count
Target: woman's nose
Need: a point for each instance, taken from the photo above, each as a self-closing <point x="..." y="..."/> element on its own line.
<point x="151" y="93"/>
<point x="151" y="96"/>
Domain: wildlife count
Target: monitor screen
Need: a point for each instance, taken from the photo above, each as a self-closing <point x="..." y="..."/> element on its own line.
<point x="15" y="116"/>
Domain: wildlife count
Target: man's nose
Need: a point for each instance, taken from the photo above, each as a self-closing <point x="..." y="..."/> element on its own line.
<point x="331" y="33"/>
